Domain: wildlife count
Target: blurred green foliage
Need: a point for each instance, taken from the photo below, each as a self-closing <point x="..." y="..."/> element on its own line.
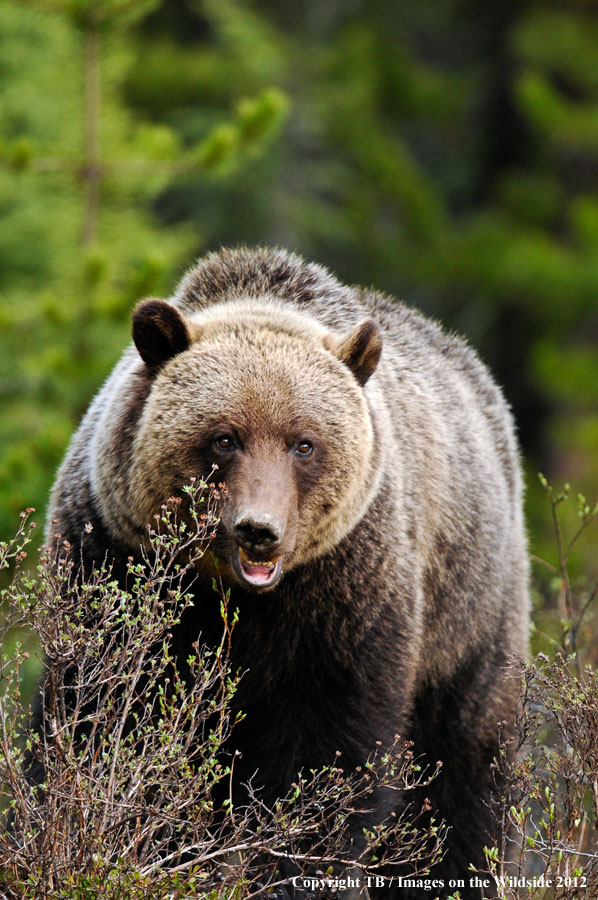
<point x="446" y="153"/>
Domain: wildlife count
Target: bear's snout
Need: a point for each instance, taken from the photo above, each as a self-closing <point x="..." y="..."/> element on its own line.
<point x="255" y="531"/>
<point x="256" y="556"/>
<point x="260" y="515"/>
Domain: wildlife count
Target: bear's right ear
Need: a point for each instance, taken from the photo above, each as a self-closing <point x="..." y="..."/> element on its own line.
<point x="159" y="332"/>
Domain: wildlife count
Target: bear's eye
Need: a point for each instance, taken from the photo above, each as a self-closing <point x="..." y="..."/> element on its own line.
<point x="225" y="442"/>
<point x="304" y="448"/>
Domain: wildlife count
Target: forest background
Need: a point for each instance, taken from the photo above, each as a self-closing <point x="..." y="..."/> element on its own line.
<point x="444" y="152"/>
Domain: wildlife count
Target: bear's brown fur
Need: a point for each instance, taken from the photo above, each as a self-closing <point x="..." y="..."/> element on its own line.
<point x="372" y="533"/>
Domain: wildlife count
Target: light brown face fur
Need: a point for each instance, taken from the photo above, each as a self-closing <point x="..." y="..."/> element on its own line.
<point x="278" y="406"/>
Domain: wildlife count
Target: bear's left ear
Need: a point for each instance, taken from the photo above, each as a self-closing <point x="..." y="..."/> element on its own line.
<point x="159" y="332"/>
<point x="360" y="350"/>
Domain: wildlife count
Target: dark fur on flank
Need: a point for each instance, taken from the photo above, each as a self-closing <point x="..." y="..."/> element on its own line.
<point x="372" y="458"/>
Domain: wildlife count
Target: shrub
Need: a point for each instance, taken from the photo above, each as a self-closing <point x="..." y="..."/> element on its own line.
<point x="118" y="802"/>
<point x="548" y="794"/>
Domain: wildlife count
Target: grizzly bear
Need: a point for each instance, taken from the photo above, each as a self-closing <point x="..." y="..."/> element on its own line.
<point x="372" y="533"/>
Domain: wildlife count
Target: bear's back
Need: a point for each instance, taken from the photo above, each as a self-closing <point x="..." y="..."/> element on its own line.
<point x="270" y="274"/>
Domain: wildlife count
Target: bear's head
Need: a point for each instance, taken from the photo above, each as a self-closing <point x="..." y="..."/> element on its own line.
<point x="277" y="403"/>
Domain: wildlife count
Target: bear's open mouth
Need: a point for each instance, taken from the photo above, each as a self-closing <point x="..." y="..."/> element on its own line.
<point x="258" y="572"/>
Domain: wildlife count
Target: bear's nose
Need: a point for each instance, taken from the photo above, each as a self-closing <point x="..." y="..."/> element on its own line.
<point x="259" y="532"/>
